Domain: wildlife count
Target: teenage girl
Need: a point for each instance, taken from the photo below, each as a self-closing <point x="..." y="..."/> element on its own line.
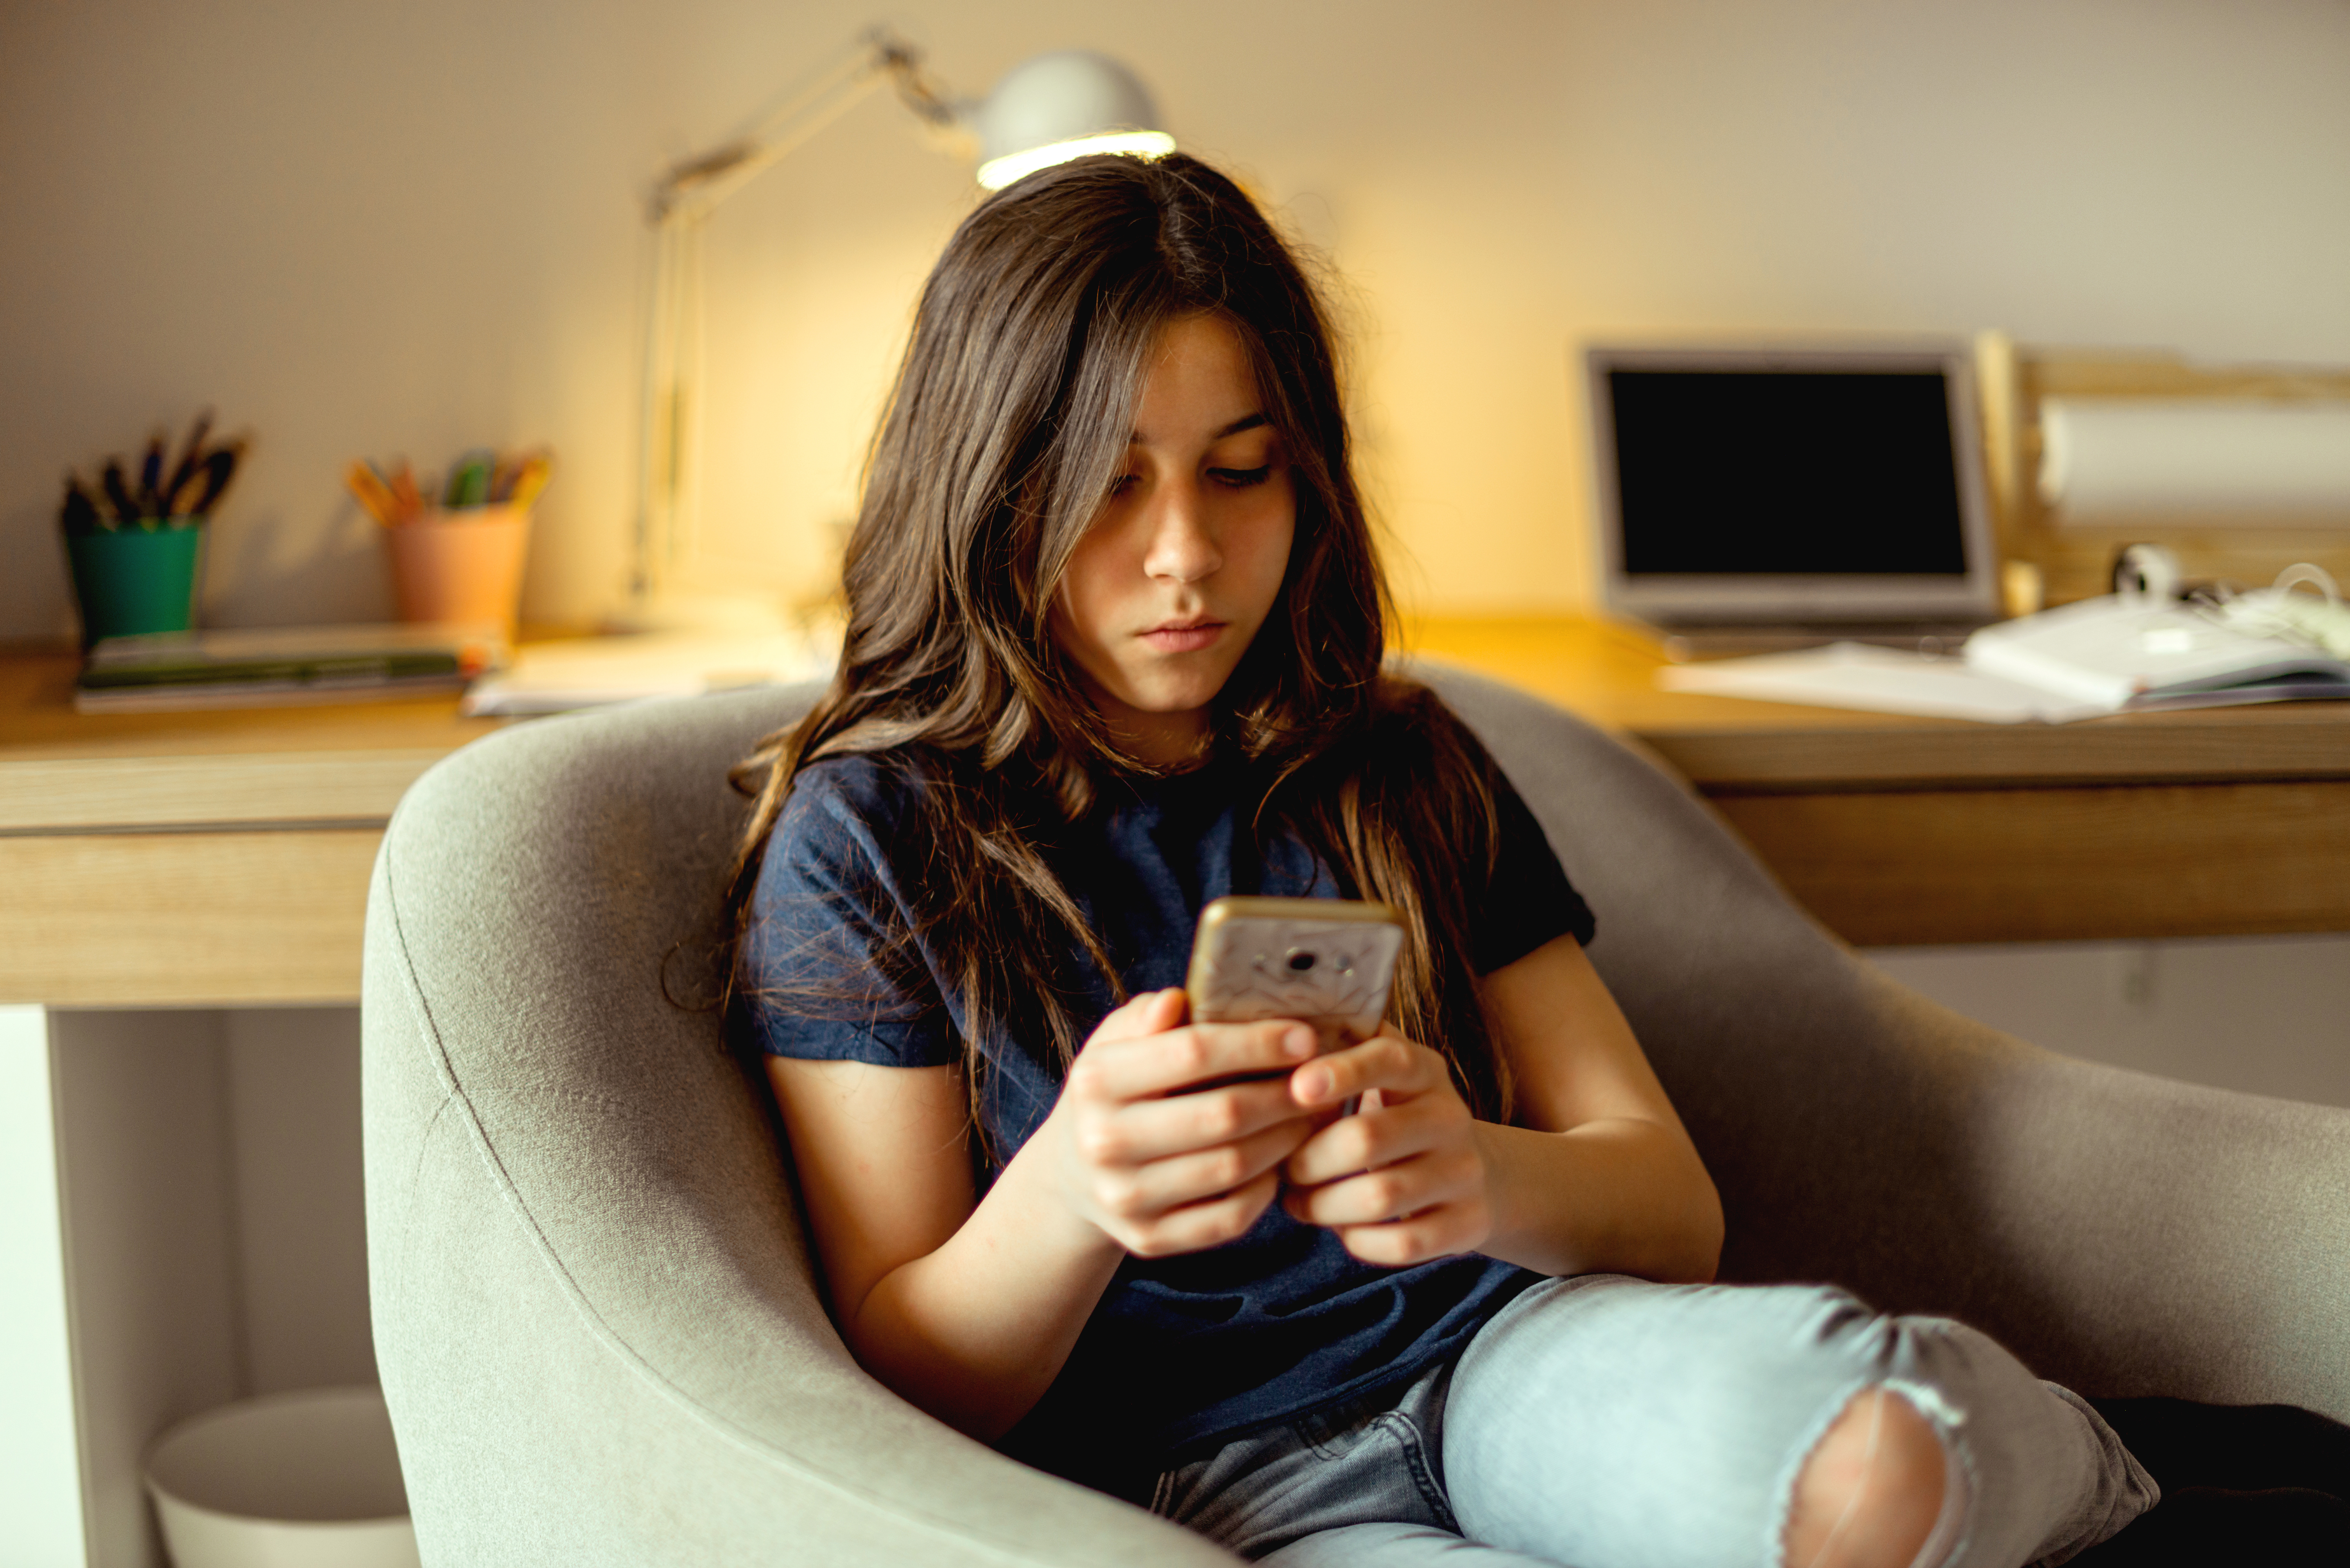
<point x="1114" y="647"/>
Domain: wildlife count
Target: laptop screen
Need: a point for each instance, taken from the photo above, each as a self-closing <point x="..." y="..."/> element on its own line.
<point x="1786" y="470"/>
<point x="1746" y="484"/>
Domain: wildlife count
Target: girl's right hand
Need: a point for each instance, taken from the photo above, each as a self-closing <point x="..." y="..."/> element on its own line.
<point x="1158" y="1164"/>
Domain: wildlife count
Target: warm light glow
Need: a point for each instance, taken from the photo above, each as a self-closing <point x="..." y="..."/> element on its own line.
<point x="998" y="172"/>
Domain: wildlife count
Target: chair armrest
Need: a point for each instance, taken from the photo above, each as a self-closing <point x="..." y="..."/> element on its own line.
<point x="2124" y="1234"/>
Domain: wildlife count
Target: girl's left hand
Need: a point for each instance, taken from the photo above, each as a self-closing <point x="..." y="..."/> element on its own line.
<point x="1403" y="1180"/>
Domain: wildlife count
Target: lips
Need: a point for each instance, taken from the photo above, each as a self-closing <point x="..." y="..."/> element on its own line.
<point x="1184" y="635"/>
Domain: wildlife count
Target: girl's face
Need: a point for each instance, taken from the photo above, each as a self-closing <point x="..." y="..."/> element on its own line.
<point x="1184" y="561"/>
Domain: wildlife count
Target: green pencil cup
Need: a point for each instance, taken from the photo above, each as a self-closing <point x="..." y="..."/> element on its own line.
<point x="131" y="580"/>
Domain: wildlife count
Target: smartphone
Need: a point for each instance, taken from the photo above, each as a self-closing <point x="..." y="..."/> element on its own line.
<point x="1324" y="962"/>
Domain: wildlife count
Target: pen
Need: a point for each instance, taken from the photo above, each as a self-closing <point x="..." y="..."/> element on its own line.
<point x="218" y="467"/>
<point x="117" y="494"/>
<point x="80" y="514"/>
<point x="186" y="469"/>
<point x="150" y="478"/>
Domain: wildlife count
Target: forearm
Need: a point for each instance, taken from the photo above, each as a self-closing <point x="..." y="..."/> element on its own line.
<point x="975" y="1330"/>
<point x="1615" y="1196"/>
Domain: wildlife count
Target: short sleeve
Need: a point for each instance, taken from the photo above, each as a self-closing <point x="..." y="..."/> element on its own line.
<point x="1529" y="903"/>
<point x="831" y="967"/>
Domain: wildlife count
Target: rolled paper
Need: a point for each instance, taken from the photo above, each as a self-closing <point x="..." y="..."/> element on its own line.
<point x="2216" y="461"/>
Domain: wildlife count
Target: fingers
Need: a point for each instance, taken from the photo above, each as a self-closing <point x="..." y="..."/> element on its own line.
<point x="1430" y="1206"/>
<point x="1199" y="1226"/>
<point x="1143" y="1195"/>
<point x="1371" y="1138"/>
<point x="1403" y="1180"/>
<point x="1443" y="1232"/>
<point x="1144" y="1130"/>
<point x="1117" y="1066"/>
<point x="1386" y="1062"/>
<point x="1396" y="1192"/>
<point x="1170" y="1136"/>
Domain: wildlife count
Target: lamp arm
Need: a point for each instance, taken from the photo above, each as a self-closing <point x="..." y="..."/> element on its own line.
<point x="702" y="181"/>
<point x="669" y="410"/>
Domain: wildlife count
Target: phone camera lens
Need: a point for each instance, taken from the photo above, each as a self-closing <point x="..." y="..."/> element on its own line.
<point x="1300" y="961"/>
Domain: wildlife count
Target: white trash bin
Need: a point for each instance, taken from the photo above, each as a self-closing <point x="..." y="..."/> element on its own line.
<point x="307" y="1480"/>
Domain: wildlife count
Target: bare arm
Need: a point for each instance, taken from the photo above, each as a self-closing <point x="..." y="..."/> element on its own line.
<point x="1596" y="1175"/>
<point x="969" y="1308"/>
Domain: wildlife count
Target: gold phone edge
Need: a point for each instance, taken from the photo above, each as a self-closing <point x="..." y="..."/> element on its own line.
<point x="1223" y="911"/>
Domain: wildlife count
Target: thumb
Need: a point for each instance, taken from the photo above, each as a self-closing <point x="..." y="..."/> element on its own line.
<point x="1165" y="1010"/>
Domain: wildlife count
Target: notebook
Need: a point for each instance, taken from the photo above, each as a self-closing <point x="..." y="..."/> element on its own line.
<point x="1759" y="497"/>
<point x="2124" y="651"/>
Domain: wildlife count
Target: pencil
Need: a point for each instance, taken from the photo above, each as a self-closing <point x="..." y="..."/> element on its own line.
<point x="530" y="480"/>
<point x="403" y="486"/>
<point x="373" y="493"/>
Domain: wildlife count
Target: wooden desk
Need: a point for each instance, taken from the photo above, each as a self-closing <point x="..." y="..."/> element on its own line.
<point x="2215" y="822"/>
<point x="217" y="858"/>
<point x="194" y="858"/>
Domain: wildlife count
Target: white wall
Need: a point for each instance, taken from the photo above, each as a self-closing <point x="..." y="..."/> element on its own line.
<point x="385" y="229"/>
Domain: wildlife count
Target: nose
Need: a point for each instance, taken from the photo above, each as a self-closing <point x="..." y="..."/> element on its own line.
<point x="1182" y="546"/>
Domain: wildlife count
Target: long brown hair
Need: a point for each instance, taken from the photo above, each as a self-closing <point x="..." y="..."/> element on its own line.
<point x="1006" y="427"/>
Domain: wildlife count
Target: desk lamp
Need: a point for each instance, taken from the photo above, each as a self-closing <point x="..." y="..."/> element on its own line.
<point x="1049" y="109"/>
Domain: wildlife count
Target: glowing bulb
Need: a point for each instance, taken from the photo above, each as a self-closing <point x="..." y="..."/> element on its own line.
<point x="998" y="172"/>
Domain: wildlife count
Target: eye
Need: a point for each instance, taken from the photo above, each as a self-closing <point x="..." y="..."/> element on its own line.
<point x="1241" y="478"/>
<point x="1124" y="483"/>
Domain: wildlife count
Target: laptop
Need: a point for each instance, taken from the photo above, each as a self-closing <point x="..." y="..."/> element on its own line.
<point x="1753" y="498"/>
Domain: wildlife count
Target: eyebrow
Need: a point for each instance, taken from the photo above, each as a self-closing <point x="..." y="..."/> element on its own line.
<point x="1245" y="422"/>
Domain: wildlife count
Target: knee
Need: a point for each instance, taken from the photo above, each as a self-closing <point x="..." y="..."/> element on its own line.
<point x="1871" y="1492"/>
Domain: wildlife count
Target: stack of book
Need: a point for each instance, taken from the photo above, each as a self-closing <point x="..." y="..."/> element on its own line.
<point x="271" y="665"/>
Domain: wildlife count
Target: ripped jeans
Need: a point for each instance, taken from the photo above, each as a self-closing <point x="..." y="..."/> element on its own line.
<point x="1606" y="1422"/>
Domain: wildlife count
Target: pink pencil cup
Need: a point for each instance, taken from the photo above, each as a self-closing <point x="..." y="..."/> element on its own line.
<point x="463" y="565"/>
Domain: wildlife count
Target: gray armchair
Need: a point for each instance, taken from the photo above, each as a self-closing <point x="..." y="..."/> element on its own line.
<point x="603" y="1341"/>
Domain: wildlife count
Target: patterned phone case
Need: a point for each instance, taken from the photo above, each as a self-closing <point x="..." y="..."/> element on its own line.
<point x="1325" y="961"/>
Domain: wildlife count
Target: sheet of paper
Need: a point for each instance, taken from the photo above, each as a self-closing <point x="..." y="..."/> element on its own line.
<point x="590" y="671"/>
<point x="1878" y="679"/>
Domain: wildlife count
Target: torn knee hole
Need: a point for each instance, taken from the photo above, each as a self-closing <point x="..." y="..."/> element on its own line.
<point x="1875" y="1490"/>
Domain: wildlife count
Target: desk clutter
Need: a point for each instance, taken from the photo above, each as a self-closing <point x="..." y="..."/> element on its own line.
<point x="2154" y="644"/>
<point x="133" y="537"/>
<point x="456" y="548"/>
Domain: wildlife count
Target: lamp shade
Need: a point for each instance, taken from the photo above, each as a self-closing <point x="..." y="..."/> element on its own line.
<point x="1059" y="106"/>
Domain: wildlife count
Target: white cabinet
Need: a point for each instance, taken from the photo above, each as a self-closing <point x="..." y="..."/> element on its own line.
<point x="181" y="1224"/>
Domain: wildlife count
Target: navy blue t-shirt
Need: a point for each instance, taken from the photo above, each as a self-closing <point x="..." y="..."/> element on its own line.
<point x="1181" y="1352"/>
